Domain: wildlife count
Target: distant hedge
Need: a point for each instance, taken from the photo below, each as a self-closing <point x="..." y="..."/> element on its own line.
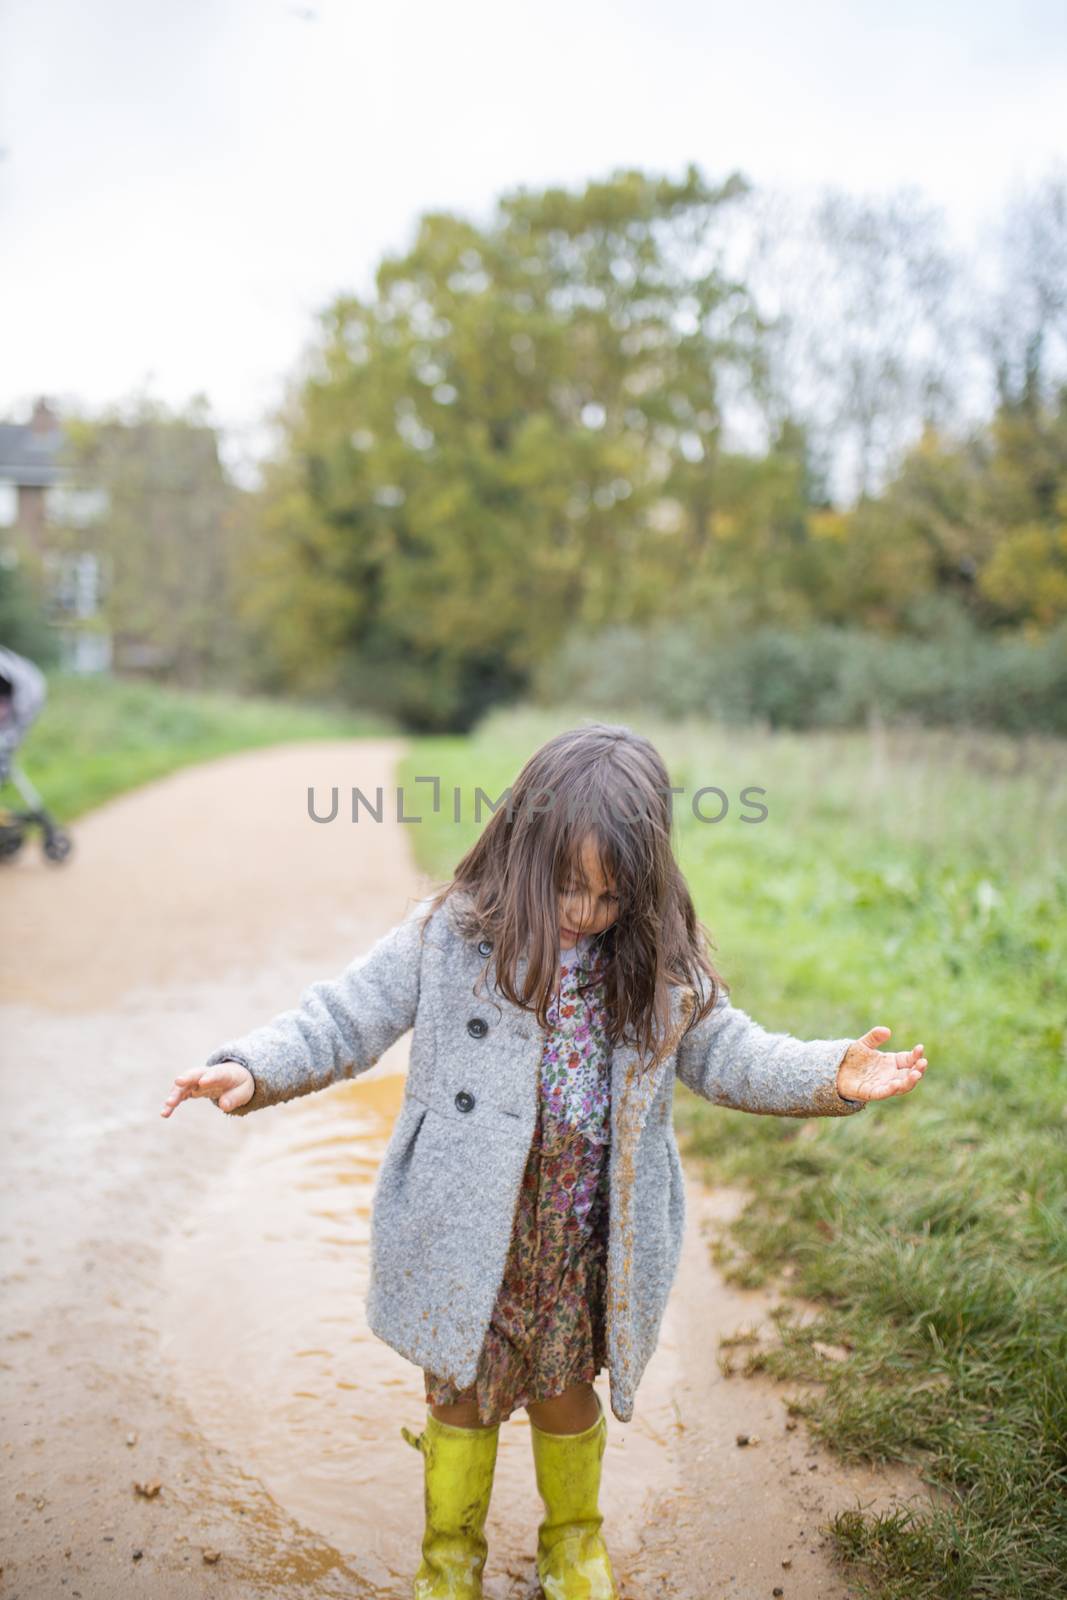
<point x="945" y="673"/>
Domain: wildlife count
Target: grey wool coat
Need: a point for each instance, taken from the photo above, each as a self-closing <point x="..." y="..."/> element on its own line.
<point x="447" y="1187"/>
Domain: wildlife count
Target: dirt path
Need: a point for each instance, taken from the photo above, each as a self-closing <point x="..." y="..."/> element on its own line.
<point x="185" y="1298"/>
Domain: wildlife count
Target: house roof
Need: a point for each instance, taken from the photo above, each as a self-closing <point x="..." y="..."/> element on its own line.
<point x="30" y="455"/>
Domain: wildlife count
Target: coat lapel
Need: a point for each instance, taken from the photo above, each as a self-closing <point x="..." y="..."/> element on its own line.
<point x="634" y="1085"/>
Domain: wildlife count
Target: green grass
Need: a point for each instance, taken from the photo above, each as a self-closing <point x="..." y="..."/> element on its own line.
<point x="98" y="737"/>
<point x="917" y="880"/>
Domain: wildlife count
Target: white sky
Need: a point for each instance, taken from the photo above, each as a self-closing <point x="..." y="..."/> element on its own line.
<point x="185" y="182"/>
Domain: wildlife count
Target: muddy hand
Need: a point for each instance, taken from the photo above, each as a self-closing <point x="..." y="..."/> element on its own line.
<point x="227" y="1083"/>
<point x="867" y="1073"/>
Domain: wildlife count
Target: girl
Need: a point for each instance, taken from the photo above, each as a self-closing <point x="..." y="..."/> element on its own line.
<point x="528" y="1212"/>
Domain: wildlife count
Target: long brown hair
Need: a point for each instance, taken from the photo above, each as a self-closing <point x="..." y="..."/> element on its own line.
<point x="607" y="782"/>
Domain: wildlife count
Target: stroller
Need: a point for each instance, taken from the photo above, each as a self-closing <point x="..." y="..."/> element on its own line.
<point x="22" y="694"/>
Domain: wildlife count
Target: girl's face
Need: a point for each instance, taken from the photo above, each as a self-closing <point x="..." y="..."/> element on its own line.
<point x="588" y="903"/>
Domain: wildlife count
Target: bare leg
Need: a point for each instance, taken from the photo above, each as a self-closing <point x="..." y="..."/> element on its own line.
<point x="462" y="1415"/>
<point x="572" y="1411"/>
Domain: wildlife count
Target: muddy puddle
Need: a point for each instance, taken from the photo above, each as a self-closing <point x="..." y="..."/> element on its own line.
<point x="271" y="1270"/>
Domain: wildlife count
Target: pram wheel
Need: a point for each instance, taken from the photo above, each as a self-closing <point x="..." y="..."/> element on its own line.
<point x="12" y="838"/>
<point x="57" y="845"/>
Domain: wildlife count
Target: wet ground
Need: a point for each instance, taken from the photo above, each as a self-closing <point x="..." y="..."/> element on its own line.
<point x="192" y="1400"/>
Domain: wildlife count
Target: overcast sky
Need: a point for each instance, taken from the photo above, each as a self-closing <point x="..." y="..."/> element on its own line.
<point x="183" y="183"/>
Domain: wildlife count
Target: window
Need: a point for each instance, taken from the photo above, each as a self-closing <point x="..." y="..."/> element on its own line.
<point x="75" y="508"/>
<point x="9" y="505"/>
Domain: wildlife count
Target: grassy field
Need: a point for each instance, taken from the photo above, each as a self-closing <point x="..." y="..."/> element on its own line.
<point x="99" y="737"/>
<point x="917" y="880"/>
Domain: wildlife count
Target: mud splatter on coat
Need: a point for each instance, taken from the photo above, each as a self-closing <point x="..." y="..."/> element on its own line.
<point x="448" y="1183"/>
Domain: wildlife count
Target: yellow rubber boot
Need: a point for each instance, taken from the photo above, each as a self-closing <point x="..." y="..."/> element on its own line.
<point x="572" y="1558"/>
<point x="459" y="1464"/>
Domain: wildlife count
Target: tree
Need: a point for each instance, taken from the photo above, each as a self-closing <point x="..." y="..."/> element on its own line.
<point x="165" y="536"/>
<point x="857" y="293"/>
<point x="23" y="624"/>
<point x="1021" y="321"/>
<point x="981" y="519"/>
<point x="518" y="433"/>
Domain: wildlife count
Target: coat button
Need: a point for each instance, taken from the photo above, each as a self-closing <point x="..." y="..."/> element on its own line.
<point x="477" y="1027"/>
<point x="464" y="1101"/>
<point x="484" y="948"/>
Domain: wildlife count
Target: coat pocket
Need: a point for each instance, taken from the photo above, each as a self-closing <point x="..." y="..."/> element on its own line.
<point x="440" y="1229"/>
<point x="406" y="1146"/>
<point x="400" y="1152"/>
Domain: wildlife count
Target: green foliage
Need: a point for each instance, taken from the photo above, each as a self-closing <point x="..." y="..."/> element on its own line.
<point x="515" y="442"/>
<point x="23" y="626"/>
<point x="165" y="538"/>
<point x="943" y="671"/>
<point x="480" y="457"/>
<point x="983" y="520"/>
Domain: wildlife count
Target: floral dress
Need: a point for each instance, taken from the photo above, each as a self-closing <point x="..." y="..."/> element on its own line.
<point x="547" y="1330"/>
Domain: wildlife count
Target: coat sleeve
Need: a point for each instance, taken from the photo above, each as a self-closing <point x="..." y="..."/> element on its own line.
<point x="341" y="1026"/>
<point x="733" y="1061"/>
